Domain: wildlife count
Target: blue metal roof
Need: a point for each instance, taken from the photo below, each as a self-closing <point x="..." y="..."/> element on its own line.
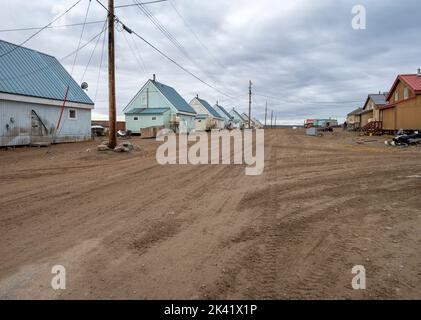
<point x="235" y="114"/>
<point x="145" y="111"/>
<point x="202" y="116"/>
<point x="155" y="110"/>
<point x="208" y="107"/>
<point x="30" y="73"/>
<point x="174" y="98"/>
<point x="135" y="111"/>
<point x="224" y="113"/>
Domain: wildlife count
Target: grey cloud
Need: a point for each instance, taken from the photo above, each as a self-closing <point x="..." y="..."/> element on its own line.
<point x="303" y="54"/>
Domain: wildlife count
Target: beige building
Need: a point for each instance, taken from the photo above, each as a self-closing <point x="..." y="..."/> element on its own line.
<point x="371" y="108"/>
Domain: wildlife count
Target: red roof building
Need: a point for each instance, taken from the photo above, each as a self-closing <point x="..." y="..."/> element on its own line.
<point x="403" y="110"/>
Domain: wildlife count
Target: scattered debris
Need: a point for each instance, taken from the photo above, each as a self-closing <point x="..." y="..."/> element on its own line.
<point x="362" y="141"/>
<point x="121" y="149"/>
<point x="102" y="148"/>
<point x="128" y="145"/>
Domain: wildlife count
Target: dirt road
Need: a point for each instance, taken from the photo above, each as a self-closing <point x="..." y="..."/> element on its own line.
<point x="125" y="227"/>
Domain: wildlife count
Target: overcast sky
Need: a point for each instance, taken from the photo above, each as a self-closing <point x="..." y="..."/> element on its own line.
<point x="303" y="56"/>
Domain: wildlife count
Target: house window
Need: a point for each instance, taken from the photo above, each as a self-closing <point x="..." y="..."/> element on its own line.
<point x="396" y="96"/>
<point x="144" y="99"/>
<point x="136" y="118"/>
<point x="72" y="114"/>
<point x="406" y="93"/>
<point x="153" y="118"/>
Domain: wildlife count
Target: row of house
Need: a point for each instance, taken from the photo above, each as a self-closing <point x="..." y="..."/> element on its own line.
<point x="399" y="108"/>
<point x="159" y="105"/>
<point x="40" y="102"/>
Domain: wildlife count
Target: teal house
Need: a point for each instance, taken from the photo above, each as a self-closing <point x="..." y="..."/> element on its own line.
<point x="226" y="117"/>
<point x="238" y="119"/>
<point x="159" y="105"/>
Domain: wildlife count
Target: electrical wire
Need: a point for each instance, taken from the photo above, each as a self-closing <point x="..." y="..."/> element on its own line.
<point x="132" y="5"/>
<point x="138" y="52"/>
<point x="93" y="52"/>
<point x="164" y="31"/>
<point x="39" y="31"/>
<point x="81" y="36"/>
<point x="48" y="66"/>
<point x="303" y="101"/>
<point x="180" y="66"/>
<point x="100" y="68"/>
<point x="74" y="64"/>
<point x="166" y="56"/>
<point x="51" y="27"/>
<point x="133" y="52"/>
<point x="205" y="49"/>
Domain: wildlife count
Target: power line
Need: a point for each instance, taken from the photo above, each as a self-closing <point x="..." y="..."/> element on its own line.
<point x="133" y="52"/>
<point x="81" y="36"/>
<point x="180" y="66"/>
<point x="138" y="52"/>
<point x="93" y="52"/>
<point x="100" y="66"/>
<point x="166" y="56"/>
<point x="186" y="23"/>
<point x="303" y="101"/>
<point x="164" y="31"/>
<point x="52" y="27"/>
<point x="142" y="3"/>
<point x="171" y="38"/>
<point x="48" y="66"/>
<point x="39" y="31"/>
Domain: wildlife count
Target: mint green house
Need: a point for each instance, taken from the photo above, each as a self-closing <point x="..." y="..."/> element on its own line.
<point x="159" y="105"/>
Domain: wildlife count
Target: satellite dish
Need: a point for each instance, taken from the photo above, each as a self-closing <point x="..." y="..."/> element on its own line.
<point x="84" y="86"/>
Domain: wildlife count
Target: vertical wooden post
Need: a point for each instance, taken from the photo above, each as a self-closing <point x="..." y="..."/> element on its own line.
<point x="266" y="113"/>
<point x="111" y="77"/>
<point x="271" y="120"/>
<point x="250" y="84"/>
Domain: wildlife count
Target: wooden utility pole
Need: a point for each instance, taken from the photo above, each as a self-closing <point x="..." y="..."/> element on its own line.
<point x="266" y="113"/>
<point x="250" y="104"/>
<point x="111" y="77"/>
<point x="271" y="120"/>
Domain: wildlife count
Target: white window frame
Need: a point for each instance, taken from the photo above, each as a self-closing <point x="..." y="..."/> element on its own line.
<point x="396" y="96"/>
<point x="68" y="114"/>
<point x="135" y="118"/>
<point x="154" y="118"/>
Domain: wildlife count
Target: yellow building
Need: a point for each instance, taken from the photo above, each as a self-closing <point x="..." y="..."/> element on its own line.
<point x="404" y="108"/>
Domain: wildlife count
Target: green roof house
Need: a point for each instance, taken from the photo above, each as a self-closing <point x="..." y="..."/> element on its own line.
<point x="159" y="105"/>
